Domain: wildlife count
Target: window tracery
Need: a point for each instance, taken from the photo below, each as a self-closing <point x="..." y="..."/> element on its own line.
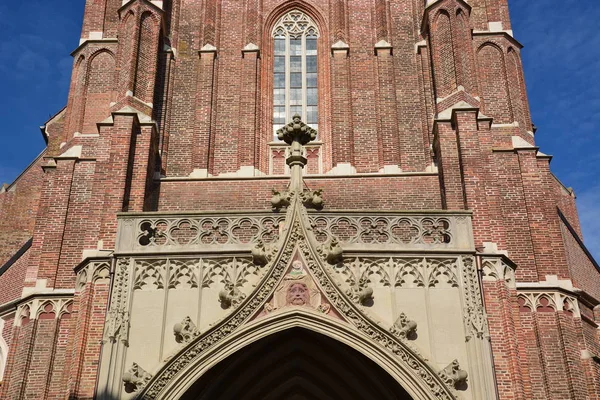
<point x="295" y="69"/>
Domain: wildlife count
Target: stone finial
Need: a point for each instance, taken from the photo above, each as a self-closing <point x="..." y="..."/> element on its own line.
<point x="452" y="375"/>
<point x="403" y="327"/>
<point x="296" y="131"/>
<point x="135" y="378"/>
<point x="185" y="331"/>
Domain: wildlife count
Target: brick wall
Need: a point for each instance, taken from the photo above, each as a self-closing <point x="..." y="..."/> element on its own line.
<point x="211" y="110"/>
<point x="352" y="193"/>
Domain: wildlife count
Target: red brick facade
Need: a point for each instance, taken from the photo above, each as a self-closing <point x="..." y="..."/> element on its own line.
<point x="422" y="105"/>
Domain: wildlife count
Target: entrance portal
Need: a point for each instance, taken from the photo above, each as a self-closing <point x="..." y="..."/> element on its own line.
<point x="296" y="364"/>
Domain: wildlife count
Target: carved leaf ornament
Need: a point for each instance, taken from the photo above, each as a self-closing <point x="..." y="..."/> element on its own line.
<point x="297" y="236"/>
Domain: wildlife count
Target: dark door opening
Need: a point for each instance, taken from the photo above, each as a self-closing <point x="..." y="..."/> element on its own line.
<point x="296" y="364"/>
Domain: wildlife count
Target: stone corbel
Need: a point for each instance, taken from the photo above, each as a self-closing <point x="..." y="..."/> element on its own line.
<point x="452" y="375"/>
<point x="208" y="51"/>
<point x="185" y="331"/>
<point x="340" y="48"/>
<point x="383" y="48"/>
<point x="135" y="378"/>
<point x="403" y="328"/>
<point x="251" y="49"/>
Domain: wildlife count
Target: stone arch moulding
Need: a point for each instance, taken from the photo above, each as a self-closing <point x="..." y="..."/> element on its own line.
<point x="240" y="328"/>
<point x="298" y="318"/>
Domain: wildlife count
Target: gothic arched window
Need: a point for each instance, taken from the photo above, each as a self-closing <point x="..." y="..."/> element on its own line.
<point x="295" y="69"/>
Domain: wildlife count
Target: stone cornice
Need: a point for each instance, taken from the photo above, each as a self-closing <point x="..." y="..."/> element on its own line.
<point x="89" y="42"/>
<point x="504" y="34"/>
<point x="307" y="177"/>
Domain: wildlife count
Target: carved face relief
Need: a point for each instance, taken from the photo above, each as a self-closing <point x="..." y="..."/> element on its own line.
<point x="298" y="294"/>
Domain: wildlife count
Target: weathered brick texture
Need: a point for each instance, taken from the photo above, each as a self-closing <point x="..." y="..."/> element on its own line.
<point x="166" y="105"/>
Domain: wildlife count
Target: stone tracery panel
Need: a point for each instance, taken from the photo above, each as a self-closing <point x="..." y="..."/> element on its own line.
<point x="172" y="233"/>
<point x="548" y="300"/>
<point x="403" y="272"/>
<point x="383" y="229"/>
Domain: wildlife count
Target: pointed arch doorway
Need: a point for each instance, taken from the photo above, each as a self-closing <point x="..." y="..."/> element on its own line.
<point x="296" y="364"/>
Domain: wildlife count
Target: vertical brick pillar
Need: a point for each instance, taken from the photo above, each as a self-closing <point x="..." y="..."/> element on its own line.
<point x="43" y="350"/>
<point x="474" y="161"/>
<point x="364" y="87"/>
<point x="555" y="356"/>
<point x="144" y="161"/>
<point x="115" y="172"/>
<point x="127" y="53"/>
<point x="50" y="226"/>
<point x="248" y="110"/>
<point x="513" y="213"/>
<point x="453" y="196"/>
<point x="572" y="343"/>
<point x="501" y="308"/>
<point x="548" y="247"/>
<point x="227" y="129"/>
<point x="93" y="17"/>
<point x="38" y="357"/>
<point x="387" y="111"/>
<point x="202" y="145"/>
<point x="341" y="119"/>
<point x="58" y="388"/>
<point x="89" y="307"/>
<point x="497" y="11"/>
<point x="19" y="358"/>
<point x="528" y="339"/>
<point x="78" y="223"/>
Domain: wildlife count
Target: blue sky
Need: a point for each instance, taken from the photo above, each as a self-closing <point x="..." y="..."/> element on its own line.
<point x="561" y="59"/>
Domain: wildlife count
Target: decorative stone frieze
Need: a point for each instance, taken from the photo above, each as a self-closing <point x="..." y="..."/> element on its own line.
<point x="169" y="233"/>
<point x="498" y="268"/>
<point x="548" y="300"/>
<point x="353" y="230"/>
<point x="425" y="232"/>
<point x="92" y="271"/>
<point x="401" y="271"/>
<point x="43" y="306"/>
